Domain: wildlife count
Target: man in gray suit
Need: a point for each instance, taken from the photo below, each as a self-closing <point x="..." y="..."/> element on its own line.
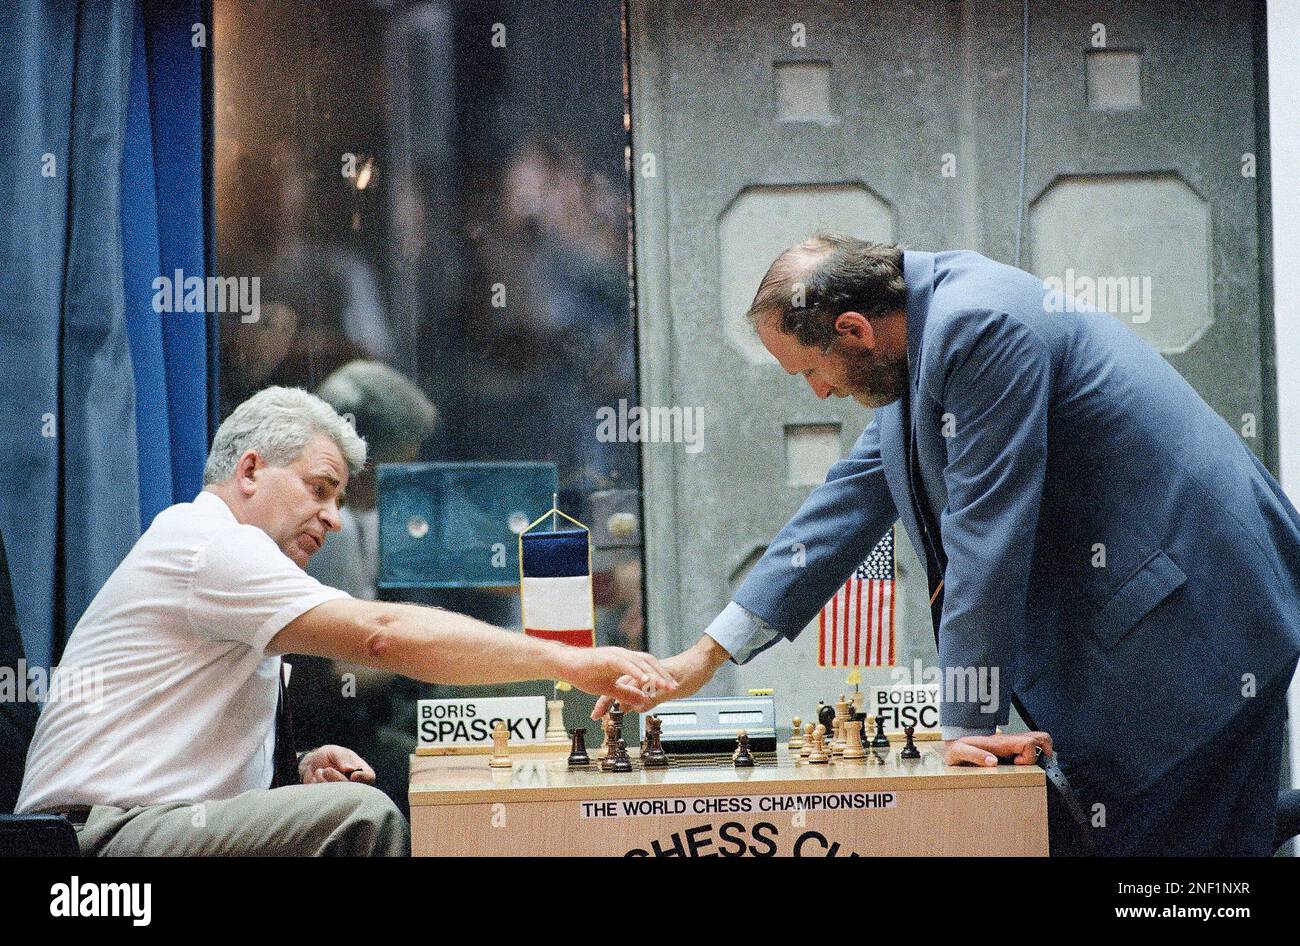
<point x="1100" y="545"/>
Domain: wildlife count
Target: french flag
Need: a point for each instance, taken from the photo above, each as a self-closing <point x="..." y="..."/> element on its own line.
<point x="555" y="586"/>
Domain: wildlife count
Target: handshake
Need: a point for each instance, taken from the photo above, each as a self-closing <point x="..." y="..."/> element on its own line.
<point x="677" y="676"/>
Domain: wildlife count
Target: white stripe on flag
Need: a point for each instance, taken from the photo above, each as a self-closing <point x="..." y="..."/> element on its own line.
<point x="557" y="604"/>
<point x="859" y="625"/>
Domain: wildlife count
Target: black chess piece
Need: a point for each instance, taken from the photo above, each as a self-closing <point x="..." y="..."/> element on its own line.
<point x="654" y="756"/>
<point x="744" y="759"/>
<point x="616" y="717"/>
<point x="578" y="751"/>
<point x="880" y="740"/>
<point x="909" y="750"/>
<point x="826" y="716"/>
<point x="620" y="761"/>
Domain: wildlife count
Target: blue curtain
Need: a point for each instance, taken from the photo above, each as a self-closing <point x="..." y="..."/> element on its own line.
<point x="164" y="235"/>
<point x="106" y="411"/>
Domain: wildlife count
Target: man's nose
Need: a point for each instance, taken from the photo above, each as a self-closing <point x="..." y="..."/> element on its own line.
<point x="820" y="388"/>
<point x="331" y="516"/>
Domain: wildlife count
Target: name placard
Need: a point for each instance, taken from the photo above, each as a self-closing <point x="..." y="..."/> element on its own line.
<point x="906" y="704"/>
<point x="468" y="723"/>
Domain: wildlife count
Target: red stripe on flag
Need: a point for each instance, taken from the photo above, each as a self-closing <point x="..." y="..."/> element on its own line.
<point x="835" y="626"/>
<point x="581" y="637"/>
<point x="873" y="629"/>
<point x="891" y="624"/>
<point x="841" y="624"/>
<point x="848" y="623"/>
<point x="821" y="638"/>
<point x="857" y="626"/>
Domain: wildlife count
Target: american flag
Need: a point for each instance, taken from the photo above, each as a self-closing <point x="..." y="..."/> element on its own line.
<point x="856" y="627"/>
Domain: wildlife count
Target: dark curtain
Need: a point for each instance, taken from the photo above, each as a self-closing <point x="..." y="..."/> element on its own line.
<point x="164" y="233"/>
<point x="88" y="369"/>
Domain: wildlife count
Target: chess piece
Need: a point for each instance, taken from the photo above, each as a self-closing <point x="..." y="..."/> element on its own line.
<point x="743" y="759"/>
<point x="857" y="698"/>
<point x="818" y="755"/>
<point x="880" y="740"/>
<point x="620" y="761"/>
<point x="842" y="715"/>
<point x="853" y="750"/>
<point x="616" y="724"/>
<point x="826" y="715"/>
<point x="602" y="751"/>
<point x="500" y="746"/>
<point x="910" y="751"/>
<point x="654" y="756"/>
<point x="806" y="749"/>
<point x="796" y="736"/>
<point x="835" y="744"/>
<point x="555" y="731"/>
<point x="578" y="750"/>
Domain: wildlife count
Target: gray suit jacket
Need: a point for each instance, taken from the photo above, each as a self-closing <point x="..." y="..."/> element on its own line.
<point x="1112" y="546"/>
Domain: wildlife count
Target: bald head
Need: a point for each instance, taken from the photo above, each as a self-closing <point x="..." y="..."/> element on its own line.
<point x="810" y="284"/>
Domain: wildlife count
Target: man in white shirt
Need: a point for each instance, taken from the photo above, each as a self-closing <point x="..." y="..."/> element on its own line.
<point x="176" y="752"/>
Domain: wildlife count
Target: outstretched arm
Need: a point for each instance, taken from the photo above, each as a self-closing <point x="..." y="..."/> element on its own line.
<point x="439" y="646"/>
<point x="816" y="551"/>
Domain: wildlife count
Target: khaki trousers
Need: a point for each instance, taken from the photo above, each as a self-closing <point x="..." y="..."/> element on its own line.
<point x="340" y="819"/>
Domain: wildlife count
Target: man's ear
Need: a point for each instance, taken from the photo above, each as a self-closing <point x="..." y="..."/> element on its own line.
<point x="246" y="471"/>
<point x="855" y="331"/>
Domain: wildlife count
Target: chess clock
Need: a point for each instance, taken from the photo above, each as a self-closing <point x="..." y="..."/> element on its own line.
<point x="707" y="725"/>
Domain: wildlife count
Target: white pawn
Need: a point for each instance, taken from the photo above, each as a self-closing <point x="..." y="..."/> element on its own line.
<point x="500" y="746"/>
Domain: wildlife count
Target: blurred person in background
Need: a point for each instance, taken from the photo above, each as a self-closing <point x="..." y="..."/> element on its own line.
<point x="344" y="702"/>
<point x="322" y="303"/>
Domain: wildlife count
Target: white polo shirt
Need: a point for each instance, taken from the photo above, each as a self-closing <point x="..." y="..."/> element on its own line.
<point x="177" y="636"/>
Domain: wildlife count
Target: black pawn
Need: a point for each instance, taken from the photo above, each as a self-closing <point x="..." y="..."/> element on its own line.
<point x="621" y="762"/>
<point x="910" y="751"/>
<point x="880" y="740"/>
<point x="578" y="752"/>
<point x="826" y="716"/>
<point x="744" y="758"/>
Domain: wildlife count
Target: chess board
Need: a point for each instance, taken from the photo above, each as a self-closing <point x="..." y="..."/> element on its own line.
<point x="712" y="761"/>
<point x="701" y="806"/>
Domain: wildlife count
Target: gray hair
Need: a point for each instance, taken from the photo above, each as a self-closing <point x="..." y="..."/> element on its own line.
<point x="385" y="406"/>
<point x="277" y="423"/>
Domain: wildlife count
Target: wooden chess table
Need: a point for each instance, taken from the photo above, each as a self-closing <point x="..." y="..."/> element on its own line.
<point x="460" y="806"/>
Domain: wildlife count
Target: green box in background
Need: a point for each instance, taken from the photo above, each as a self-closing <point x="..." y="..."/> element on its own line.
<point x="456" y="525"/>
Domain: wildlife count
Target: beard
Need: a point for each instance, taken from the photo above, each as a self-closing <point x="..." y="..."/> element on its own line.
<point x="875" y="381"/>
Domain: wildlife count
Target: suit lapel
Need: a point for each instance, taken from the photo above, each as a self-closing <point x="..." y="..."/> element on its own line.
<point x="893" y="458"/>
<point x="918" y="273"/>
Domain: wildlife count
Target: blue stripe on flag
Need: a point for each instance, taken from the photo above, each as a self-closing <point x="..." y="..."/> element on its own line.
<point x="560" y="554"/>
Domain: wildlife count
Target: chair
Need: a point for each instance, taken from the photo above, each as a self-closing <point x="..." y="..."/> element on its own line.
<point x="21" y="835"/>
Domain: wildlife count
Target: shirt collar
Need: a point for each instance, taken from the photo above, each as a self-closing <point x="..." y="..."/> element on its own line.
<point x="211" y="502"/>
